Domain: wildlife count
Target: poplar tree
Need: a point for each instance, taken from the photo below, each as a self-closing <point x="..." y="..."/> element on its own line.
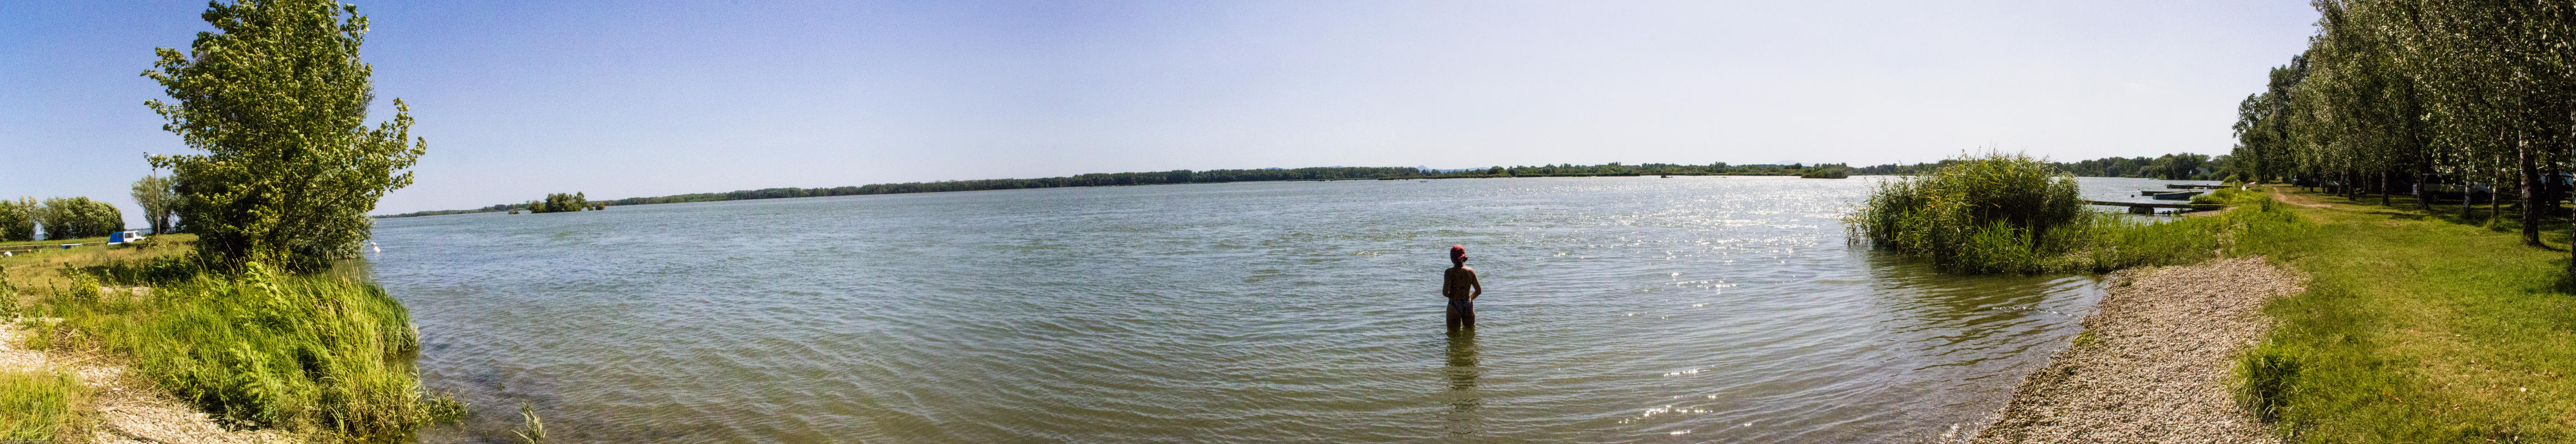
<point x="155" y="195"/>
<point x="275" y="101"/>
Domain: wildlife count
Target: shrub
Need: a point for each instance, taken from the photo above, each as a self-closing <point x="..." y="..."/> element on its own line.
<point x="2006" y="214"/>
<point x="1977" y="214"/>
<point x="1830" y="172"/>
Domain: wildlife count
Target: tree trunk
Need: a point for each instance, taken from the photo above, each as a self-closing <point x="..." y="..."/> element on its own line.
<point x="2383" y="188"/>
<point x="2530" y="204"/>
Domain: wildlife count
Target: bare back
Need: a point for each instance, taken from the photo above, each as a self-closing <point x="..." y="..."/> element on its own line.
<point x="1460" y="283"/>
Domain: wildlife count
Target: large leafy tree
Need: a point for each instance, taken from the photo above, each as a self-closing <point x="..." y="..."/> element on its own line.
<point x="276" y="99"/>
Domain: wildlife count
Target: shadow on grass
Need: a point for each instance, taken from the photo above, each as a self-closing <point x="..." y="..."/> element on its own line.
<point x="2555" y="224"/>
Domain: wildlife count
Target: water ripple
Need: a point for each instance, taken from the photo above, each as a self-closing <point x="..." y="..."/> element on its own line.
<point x="1617" y="310"/>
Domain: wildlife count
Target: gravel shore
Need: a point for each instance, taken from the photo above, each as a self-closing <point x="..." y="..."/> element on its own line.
<point x="2154" y="361"/>
<point x="124" y="410"/>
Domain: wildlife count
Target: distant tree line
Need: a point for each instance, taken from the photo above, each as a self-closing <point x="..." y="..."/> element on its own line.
<point x="2425" y="98"/>
<point x="2180" y="166"/>
<point x="1189" y="176"/>
<point x="60" y="218"/>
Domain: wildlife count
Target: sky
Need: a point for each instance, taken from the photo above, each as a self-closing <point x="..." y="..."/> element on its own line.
<point x="620" y="99"/>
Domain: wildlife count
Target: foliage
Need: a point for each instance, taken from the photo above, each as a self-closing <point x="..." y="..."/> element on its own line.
<point x="38" y="405"/>
<point x="1826" y="172"/>
<point x="2008" y="214"/>
<point x="277" y="100"/>
<point x="312" y="354"/>
<point x="18" y="219"/>
<point x="560" y="202"/>
<point x="1964" y="214"/>
<point x="79" y="217"/>
<point x="156" y="195"/>
<point x="2414" y="96"/>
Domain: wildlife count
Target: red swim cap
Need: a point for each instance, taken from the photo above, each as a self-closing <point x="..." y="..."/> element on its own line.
<point x="1457" y="252"/>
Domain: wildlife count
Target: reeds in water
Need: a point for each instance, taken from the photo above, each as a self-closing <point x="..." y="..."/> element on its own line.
<point x="2009" y="213"/>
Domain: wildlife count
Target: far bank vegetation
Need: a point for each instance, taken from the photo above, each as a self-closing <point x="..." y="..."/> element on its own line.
<point x="561" y="203"/>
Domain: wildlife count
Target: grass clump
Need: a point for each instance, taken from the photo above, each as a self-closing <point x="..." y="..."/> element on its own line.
<point x="2264" y="380"/>
<point x="38" y="405"/>
<point x="318" y="355"/>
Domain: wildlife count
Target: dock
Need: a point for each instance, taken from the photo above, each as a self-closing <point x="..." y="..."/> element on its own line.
<point x="2196" y="187"/>
<point x="2150" y="207"/>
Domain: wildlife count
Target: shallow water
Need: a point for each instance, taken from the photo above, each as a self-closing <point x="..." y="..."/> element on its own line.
<point x="1694" y="309"/>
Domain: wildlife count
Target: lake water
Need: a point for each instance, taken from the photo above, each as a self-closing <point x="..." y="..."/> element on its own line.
<point x="1690" y="309"/>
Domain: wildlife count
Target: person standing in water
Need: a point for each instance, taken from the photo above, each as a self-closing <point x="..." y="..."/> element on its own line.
<point x="1460" y="286"/>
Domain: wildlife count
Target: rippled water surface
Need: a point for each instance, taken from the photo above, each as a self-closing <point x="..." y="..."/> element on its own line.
<point x="1693" y="309"/>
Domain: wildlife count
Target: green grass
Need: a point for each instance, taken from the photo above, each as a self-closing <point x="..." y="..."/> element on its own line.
<point x="37" y="406"/>
<point x="2416" y="329"/>
<point x="325" y="356"/>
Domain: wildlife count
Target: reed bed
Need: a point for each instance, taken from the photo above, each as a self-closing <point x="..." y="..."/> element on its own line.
<point x="2010" y="213"/>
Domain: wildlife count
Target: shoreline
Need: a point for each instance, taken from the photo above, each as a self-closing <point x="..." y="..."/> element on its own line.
<point x="2154" y="361"/>
<point x="120" y="408"/>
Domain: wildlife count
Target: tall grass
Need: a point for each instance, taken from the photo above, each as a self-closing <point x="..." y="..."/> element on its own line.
<point x="37" y="406"/>
<point x="2001" y="213"/>
<point x="312" y="354"/>
<point x="1985" y="213"/>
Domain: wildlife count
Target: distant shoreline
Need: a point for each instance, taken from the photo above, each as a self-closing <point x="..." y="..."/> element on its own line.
<point x="1060" y="182"/>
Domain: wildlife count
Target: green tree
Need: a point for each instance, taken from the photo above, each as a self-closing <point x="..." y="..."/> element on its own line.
<point x="18" y="219"/>
<point x="277" y="102"/>
<point x="79" y="217"/>
<point x="560" y="202"/>
<point x="156" y="195"/>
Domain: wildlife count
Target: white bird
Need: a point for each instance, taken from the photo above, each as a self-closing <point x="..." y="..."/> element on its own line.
<point x="377" y="248"/>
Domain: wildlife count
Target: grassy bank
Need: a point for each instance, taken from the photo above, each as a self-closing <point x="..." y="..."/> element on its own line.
<point x="2417" y="328"/>
<point x="323" y="356"/>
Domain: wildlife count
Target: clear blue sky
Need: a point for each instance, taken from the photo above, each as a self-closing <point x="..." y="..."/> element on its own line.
<point x="621" y="99"/>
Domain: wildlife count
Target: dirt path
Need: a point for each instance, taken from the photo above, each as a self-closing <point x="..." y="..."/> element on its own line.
<point x="125" y="411"/>
<point x="2300" y="199"/>
<point x="2155" y="367"/>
